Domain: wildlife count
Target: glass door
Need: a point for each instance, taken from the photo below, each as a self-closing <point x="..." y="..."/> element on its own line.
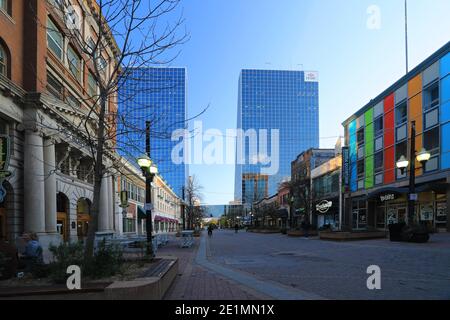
<point x="441" y="216"/>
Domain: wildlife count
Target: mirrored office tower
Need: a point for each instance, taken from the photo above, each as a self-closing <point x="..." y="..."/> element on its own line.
<point x="287" y="101"/>
<point x="157" y="95"/>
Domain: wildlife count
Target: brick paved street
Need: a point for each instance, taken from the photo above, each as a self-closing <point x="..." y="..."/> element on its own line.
<point x="197" y="283"/>
<point x="254" y="266"/>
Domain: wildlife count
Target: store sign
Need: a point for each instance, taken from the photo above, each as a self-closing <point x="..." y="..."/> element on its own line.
<point x="311" y="76"/>
<point x="346" y="166"/>
<point x="387" y="197"/>
<point x="4" y="163"/>
<point x="324" y="206"/>
<point x="426" y="213"/>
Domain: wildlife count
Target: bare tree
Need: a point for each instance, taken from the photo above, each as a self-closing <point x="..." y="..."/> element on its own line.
<point x="126" y="35"/>
<point x="194" y="212"/>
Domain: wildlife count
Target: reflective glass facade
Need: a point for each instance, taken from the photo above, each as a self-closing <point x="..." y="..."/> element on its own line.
<point x="283" y="100"/>
<point x="157" y="95"/>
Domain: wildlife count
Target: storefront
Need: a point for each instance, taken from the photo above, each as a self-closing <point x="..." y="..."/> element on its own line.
<point x="392" y="207"/>
<point x="326" y="212"/>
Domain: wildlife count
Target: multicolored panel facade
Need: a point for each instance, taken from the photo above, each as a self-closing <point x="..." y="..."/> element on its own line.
<point x="379" y="134"/>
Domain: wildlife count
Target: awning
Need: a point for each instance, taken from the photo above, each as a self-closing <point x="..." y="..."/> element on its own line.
<point x="141" y="213"/>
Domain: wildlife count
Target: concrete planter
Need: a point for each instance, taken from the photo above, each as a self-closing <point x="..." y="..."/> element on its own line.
<point x="151" y="288"/>
<point x="352" y="236"/>
<point x="265" y="231"/>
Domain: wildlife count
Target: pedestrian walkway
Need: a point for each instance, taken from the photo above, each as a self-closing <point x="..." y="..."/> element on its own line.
<point x="197" y="283"/>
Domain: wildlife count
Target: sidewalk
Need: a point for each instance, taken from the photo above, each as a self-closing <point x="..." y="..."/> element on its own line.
<point x="197" y="283"/>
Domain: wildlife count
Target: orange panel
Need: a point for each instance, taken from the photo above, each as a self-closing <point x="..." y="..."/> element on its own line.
<point x="415" y="86"/>
<point x="418" y="148"/>
<point x="416" y="112"/>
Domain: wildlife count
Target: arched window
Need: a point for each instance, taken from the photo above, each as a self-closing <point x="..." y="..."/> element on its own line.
<point x="3" y="61"/>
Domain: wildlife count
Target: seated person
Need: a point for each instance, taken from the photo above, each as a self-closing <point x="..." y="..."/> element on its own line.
<point x="32" y="253"/>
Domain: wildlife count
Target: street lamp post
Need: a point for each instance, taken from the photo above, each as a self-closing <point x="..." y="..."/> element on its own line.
<point x="291" y="207"/>
<point x="423" y="156"/>
<point x="149" y="170"/>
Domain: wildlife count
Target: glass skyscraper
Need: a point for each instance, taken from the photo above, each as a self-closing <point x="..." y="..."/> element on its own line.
<point x="272" y="99"/>
<point x="157" y="95"/>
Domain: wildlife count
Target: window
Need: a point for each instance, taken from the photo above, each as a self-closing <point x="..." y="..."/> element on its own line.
<point x="360" y="168"/>
<point x="401" y="132"/>
<point x="92" y="86"/>
<point x="401" y="149"/>
<point x="73" y="101"/>
<point x="360" y="137"/>
<point x="3" y="62"/>
<point x="431" y="141"/>
<point x="379" y="144"/>
<point x="379" y="161"/>
<point x="431" y="96"/>
<point x="401" y="113"/>
<point x="54" y="39"/>
<point x="378" y="123"/>
<point x="431" y="118"/>
<point x="5" y="5"/>
<point x="54" y="87"/>
<point x="74" y="63"/>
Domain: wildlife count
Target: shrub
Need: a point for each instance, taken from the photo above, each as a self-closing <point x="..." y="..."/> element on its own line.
<point x="65" y="255"/>
<point x="107" y="261"/>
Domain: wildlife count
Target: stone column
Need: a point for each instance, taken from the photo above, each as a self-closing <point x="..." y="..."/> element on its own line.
<point x="34" y="190"/>
<point x="111" y="211"/>
<point x="50" y="186"/>
<point x="103" y="219"/>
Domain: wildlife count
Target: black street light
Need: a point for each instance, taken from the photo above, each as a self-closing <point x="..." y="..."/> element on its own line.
<point x="149" y="170"/>
<point x="291" y="207"/>
<point x="423" y="156"/>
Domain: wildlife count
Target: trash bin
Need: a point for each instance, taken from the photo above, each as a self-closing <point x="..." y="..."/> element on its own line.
<point x="395" y="232"/>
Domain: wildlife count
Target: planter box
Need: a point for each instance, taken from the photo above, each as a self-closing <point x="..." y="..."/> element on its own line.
<point x="265" y="231"/>
<point x="299" y="233"/>
<point x="352" y="236"/>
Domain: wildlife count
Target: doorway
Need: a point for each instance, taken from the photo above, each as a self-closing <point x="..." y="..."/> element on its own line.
<point x="62" y="216"/>
<point x="83" y="218"/>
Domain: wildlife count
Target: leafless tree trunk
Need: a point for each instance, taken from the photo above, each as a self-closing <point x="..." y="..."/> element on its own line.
<point x="127" y="34"/>
<point x="193" y="195"/>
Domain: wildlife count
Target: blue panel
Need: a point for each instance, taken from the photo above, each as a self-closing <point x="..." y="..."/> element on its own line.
<point x="353" y="156"/>
<point x="445" y="65"/>
<point x="445" y="112"/>
<point x="445" y="89"/>
<point x="445" y="158"/>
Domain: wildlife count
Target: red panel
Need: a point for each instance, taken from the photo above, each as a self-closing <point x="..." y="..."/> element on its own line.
<point x="389" y="165"/>
<point x="389" y="103"/>
<point x="389" y="129"/>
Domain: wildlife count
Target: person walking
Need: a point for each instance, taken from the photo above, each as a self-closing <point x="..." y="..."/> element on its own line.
<point x="210" y="230"/>
<point x="236" y="228"/>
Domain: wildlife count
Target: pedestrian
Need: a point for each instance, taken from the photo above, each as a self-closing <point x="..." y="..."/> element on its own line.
<point x="210" y="230"/>
<point x="236" y="228"/>
<point x="306" y="226"/>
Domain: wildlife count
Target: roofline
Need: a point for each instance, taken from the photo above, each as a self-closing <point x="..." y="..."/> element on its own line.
<point x="312" y="149"/>
<point x="440" y="53"/>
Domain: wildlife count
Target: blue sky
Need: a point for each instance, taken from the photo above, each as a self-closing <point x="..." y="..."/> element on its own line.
<point x="331" y="36"/>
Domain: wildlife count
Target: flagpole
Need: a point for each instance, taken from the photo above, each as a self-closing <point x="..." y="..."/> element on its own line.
<point x="406" y="35"/>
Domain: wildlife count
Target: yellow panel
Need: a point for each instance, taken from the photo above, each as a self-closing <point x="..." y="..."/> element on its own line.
<point x="415" y="86"/>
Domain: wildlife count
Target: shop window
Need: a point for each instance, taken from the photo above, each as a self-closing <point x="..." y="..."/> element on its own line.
<point x="431" y="118"/>
<point x="431" y="96"/>
<point x="54" y="39"/>
<point x="401" y="113"/>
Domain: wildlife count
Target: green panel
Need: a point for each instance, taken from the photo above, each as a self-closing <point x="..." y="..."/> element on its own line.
<point x="369" y="116"/>
<point x="369" y="140"/>
<point x="369" y="172"/>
